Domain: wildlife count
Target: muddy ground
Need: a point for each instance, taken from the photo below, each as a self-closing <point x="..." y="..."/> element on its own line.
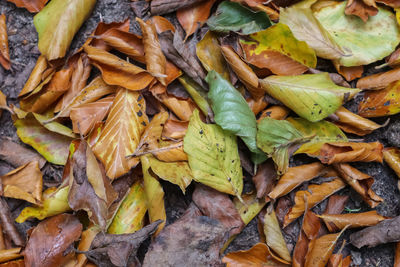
<point x="24" y="52"/>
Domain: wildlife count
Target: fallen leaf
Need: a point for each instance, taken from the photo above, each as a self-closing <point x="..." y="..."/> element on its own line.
<point x="174" y="129"/>
<point x="294" y="177"/>
<point x="198" y="95"/>
<point x="380" y="103"/>
<point x="311" y="96"/>
<point x="102" y="29"/>
<point x="50" y="241"/>
<point x="361" y="9"/>
<point x="54" y="202"/>
<point x="278" y="50"/>
<point x="15" y="263"/>
<point x="17" y="155"/>
<point x="31" y="6"/>
<point x="218" y="206"/>
<point x="55" y="25"/>
<point x="391" y="156"/>
<point x="118" y="250"/>
<point x="258" y="255"/>
<point x="275" y="112"/>
<point x="193" y="17"/>
<point x="336" y="204"/>
<point x="397" y="256"/>
<point x="257" y="105"/>
<point x="322" y="132"/>
<point x="360" y="182"/>
<point x="213" y="156"/>
<point x="182" y="108"/>
<point x="161" y="7"/>
<point x="162" y="24"/>
<point x="249" y="206"/>
<point x="312" y="196"/>
<point x="352" y="123"/>
<point x="231" y="16"/>
<point x="8" y="226"/>
<point x="336" y="222"/>
<point x="4" y="51"/>
<point x="9" y="254"/>
<point x="331" y="153"/>
<point x="121" y="134"/>
<point x="264" y="180"/>
<point x="350" y="73"/>
<point x="130" y="215"/>
<point x="339" y="260"/>
<point x="379" y="80"/>
<point x="25" y="183"/>
<point x="35" y="77"/>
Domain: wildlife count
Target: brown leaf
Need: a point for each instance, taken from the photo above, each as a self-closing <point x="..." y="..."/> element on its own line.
<point x="336" y="222"/>
<point x="338" y="260"/>
<point x="7" y="224"/>
<point x="102" y="29"/>
<point x="258" y="255"/>
<point x="50" y="241"/>
<point x="397" y="255"/>
<point x="84" y="244"/>
<point x="174" y="129"/>
<point x="36" y="76"/>
<point x="391" y="3"/>
<point x="116" y="71"/>
<point x="219" y="206"/>
<point x="9" y="254"/>
<point x="86" y="116"/>
<point x="361" y="9"/>
<point x="353" y="123"/>
<point x="17" y="155"/>
<point x="360" y="182"/>
<point x="90" y="189"/>
<point x="182" y="108"/>
<point x="193" y="17"/>
<point x="264" y="180"/>
<point x="275" y="112"/>
<point x="257" y="105"/>
<point x="379" y="80"/>
<point x="24" y="183"/>
<point x="336" y="204"/>
<point x="350" y="73"/>
<point x="391" y="155"/>
<point x="294" y="177"/>
<point x="161" y="7"/>
<point x="162" y="24"/>
<point x="384" y="232"/>
<point x="16" y="263"/>
<point x="331" y="153"/>
<point x="312" y="196"/>
<point x="4" y="52"/>
<point x="32" y="6"/>
<point x="119" y="250"/>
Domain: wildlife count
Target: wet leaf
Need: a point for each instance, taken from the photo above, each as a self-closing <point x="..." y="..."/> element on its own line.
<point x="278" y="50"/>
<point x="294" y="177"/>
<point x="380" y="103"/>
<point x="336" y="222"/>
<point x="312" y="196"/>
<point x="311" y="96"/>
<point x="25" y="183"/>
<point x="17" y="155"/>
<point x="232" y="16"/>
<point x="121" y="133"/>
<point x="4" y="51"/>
<point x="32" y="6"/>
<point x="57" y="24"/>
<point x="322" y="132"/>
<point x="54" y="201"/>
<point x="355" y="36"/>
<point x="350" y="152"/>
<point x="379" y="80"/>
<point x="213" y="156"/>
<point x="50" y="241"/>
<point x="130" y="215"/>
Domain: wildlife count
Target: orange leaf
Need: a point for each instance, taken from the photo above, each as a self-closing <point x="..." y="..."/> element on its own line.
<point x="4" y="52"/>
<point x="32" y="6"/>
<point x="162" y="24"/>
<point x="379" y="80"/>
<point x="36" y="76"/>
<point x="10" y="254"/>
<point x="338" y="152"/>
<point x="350" y="73"/>
<point x="361" y="9"/>
<point x="102" y="28"/>
<point x="275" y="112"/>
<point x="397" y="255"/>
<point x="174" y="129"/>
<point x="182" y="108"/>
<point x="391" y="155"/>
<point x="257" y="105"/>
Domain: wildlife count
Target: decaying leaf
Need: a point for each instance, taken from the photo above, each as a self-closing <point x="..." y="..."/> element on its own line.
<point x="331" y="153"/>
<point x="9" y="254"/>
<point x="275" y="112"/>
<point x="4" y="52"/>
<point x="213" y="156"/>
<point x="336" y="204"/>
<point x="379" y="80"/>
<point x="160" y="7"/>
<point x="17" y="155"/>
<point x="8" y="226"/>
<point x="391" y="155"/>
<point x="249" y="206"/>
<point x="32" y="6"/>
<point x="84" y="244"/>
<point x="50" y="242"/>
<point x="311" y="96"/>
<point x="198" y="95"/>
<point x="264" y="179"/>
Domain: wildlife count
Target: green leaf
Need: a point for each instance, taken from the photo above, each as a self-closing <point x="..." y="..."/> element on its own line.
<point x="311" y="96"/>
<point x="366" y="42"/>
<point x="57" y="24"/>
<point x="323" y="132"/>
<point x="276" y="138"/>
<point x="198" y="95"/>
<point x="231" y="16"/>
<point x="213" y="156"/>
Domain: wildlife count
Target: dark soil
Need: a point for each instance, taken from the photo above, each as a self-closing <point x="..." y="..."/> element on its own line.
<point x="24" y="52"/>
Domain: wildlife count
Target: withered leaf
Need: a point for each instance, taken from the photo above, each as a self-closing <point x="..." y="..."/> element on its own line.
<point x="17" y="155"/>
<point x="361" y="9"/>
<point x="36" y="76"/>
<point x="336" y="222"/>
<point x="264" y="179"/>
<point x="339" y="152"/>
<point x="4" y="52"/>
<point x="391" y="155"/>
<point x="32" y="6"/>
<point x="7" y="224"/>
<point x="379" y="80"/>
<point x="160" y="7"/>
<point x="9" y="254"/>
<point x="336" y="204"/>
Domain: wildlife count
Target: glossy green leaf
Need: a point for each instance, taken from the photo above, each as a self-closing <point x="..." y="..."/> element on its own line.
<point x="311" y="96"/>
<point x="231" y="16"/>
<point x="322" y="132"/>
<point x="365" y="42"/>
<point x="213" y="156"/>
<point x="57" y="24"/>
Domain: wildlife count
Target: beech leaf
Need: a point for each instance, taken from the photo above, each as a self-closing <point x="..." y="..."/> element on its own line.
<point x="32" y="6"/>
<point x="350" y="152"/>
<point x="4" y="50"/>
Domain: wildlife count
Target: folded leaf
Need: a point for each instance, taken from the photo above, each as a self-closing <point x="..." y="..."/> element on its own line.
<point x="232" y="16"/>
<point x="213" y="156"/>
<point x="174" y="129"/>
<point x="121" y="134"/>
<point x="35" y="77"/>
<point x="361" y="8"/>
<point x="249" y="206"/>
<point x="4" y="50"/>
<point x="311" y="96"/>
<point x="391" y="155"/>
<point x="278" y="50"/>
<point x="57" y="24"/>
<point x="350" y="152"/>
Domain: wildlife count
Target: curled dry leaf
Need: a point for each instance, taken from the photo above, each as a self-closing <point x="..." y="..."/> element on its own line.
<point x="35" y="77"/>
<point x="162" y="24"/>
<point x="9" y="254"/>
<point x="50" y="241"/>
<point x="103" y="28"/>
<point x="391" y="155"/>
<point x="264" y="180"/>
<point x="57" y="24"/>
<point x="294" y="177"/>
<point x="379" y="80"/>
<point x="256" y="105"/>
<point x="331" y="153"/>
<point x="4" y="51"/>
<point x="397" y="256"/>
<point x="349" y="73"/>
<point x="15" y="263"/>
<point x="360" y="182"/>
<point x="32" y="6"/>
<point x="160" y="7"/>
<point x="25" y="182"/>
<point x="336" y="222"/>
<point x="121" y="134"/>
<point x="361" y="9"/>
<point x="258" y="255"/>
<point x="17" y="155"/>
<point x="312" y="196"/>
